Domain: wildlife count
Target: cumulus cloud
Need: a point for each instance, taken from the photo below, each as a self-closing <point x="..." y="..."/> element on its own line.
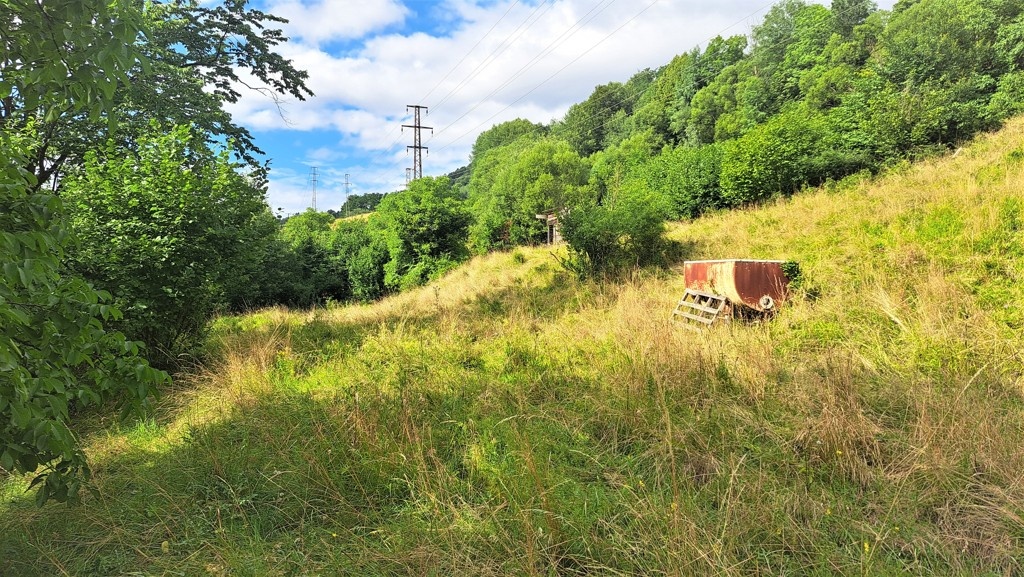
<point x="330" y="20"/>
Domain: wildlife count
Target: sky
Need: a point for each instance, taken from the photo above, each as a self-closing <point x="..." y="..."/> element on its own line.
<point x="472" y="63"/>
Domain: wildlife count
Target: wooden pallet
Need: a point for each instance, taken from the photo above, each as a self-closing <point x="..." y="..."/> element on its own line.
<point x="698" y="307"/>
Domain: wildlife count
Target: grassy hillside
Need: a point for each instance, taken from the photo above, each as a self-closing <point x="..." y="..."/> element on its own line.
<point x="511" y="420"/>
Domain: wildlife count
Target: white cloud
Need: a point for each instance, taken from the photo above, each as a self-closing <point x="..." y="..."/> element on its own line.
<point x="328" y="20"/>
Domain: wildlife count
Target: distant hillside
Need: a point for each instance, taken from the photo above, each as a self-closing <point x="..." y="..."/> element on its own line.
<point x="509" y="419"/>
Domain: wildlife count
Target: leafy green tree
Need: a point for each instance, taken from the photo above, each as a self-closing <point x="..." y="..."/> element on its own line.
<point x="774" y="158"/>
<point x="514" y="183"/>
<point x="703" y="69"/>
<point x="654" y="109"/>
<point x="307" y="224"/>
<point x="55" y="354"/>
<point x="317" y="271"/>
<point x="850" y="13"/>
<point x="163" y="231"/>
<point x="192" y="59"/>
<point x="687" y="178"/>
<point x="361" y="203"/>
<point x="502" y="134"/>
<point x="424" y="228"/>
<point x="366" y="269"/>
<point x="941" y="40"/>
<point x="617" y="167"/>
<point x="585" y="124"/>
<point x="607" y="239"/>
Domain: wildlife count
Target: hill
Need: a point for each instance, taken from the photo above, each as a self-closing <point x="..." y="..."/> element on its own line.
<point x="509" y="419"/>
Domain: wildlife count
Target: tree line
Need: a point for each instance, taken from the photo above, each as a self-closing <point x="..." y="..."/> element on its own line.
<point x="132" y="208"/>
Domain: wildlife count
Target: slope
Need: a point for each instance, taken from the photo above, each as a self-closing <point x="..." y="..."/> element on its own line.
<point x="509" y="419"/>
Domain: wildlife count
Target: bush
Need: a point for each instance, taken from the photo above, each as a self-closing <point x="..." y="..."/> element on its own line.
<point x="687" y="177"/>
<point x="777" y="157"/>
<point x="55" y="354"/>
<point x="164" y="230"/>
<point x="425" y="229"/>
<point x="607" y="240"/>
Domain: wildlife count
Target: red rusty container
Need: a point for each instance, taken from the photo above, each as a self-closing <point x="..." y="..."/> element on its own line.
<point x="758" y="284"/>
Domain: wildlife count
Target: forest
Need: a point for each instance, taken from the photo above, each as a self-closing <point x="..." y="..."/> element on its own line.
<point x="132" y="208"/>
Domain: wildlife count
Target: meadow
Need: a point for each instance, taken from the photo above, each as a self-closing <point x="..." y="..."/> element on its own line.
<point x="509" y="418"/>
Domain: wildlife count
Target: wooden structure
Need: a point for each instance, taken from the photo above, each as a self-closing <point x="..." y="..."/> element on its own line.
<point x="550" y="219"/>
<point x="698" y="307"/>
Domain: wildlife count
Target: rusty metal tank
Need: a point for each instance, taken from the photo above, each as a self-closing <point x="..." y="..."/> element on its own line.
<point x="760" y="285"/>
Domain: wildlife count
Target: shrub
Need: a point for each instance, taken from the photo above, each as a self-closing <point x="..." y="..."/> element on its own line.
<point x="164" y="230"/>
<point x="610" y="239"/>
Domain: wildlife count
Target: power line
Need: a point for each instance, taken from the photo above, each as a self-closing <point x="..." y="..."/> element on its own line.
<point x="569" y="33"/>
<point x="530" y="20"/>
<point x="468" y="52"/>
<point x="559" y="71"/>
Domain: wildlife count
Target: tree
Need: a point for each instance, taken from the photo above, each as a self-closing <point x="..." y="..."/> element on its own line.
<point x="774" y="158"/>
<point x="703" y="69"/>
<point x="688" y="178"/>
<point x="177" y="62"/>
<point x="607" y="239"/>
<point x="424" y="228"/>
<point x="164" y="231"/>
<point x="584" y="125"/>
<point x="514" y="183"/>
<point x="850" y="13"/>
<point x="361" y="203"/>
<point x="55" y="354"/>
<point x="502" y="134"/>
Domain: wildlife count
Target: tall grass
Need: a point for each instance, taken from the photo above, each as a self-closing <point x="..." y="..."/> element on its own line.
<point x="509" y="419"/>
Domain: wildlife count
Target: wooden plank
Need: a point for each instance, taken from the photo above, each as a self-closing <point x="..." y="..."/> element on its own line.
<point x="704" y="320"/>
<point x="702" y="294"/>
<point x="707" y="309"/>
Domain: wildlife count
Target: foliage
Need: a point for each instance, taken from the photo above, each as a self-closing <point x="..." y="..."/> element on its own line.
<point x="361" y="203"/>
<point x="164" y="231"/>
<point x="688" y="177"/>
<point x="514" y="183"/>
<point x="176" y="62"/>
<point x="424" y="229"/>
<point x="774" y="158"/>
<point x="619" y="167"/>
<point x="502" y="134"/>
<point x="850" y="13"/>
<point x="612" y="238"/>
<point x="55" y="354"/>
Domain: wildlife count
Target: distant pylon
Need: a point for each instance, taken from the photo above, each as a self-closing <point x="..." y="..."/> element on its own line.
<point x="408" y="175"/>
<point x="347" y="184"/>
<point x="417" y="146"/>
<point x="313" y="177"/>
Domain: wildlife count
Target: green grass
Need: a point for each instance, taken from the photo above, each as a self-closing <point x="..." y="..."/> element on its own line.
<point x="509" y="419"/>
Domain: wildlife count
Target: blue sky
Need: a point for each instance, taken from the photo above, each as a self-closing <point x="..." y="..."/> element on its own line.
<point x="473" y="63"/>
